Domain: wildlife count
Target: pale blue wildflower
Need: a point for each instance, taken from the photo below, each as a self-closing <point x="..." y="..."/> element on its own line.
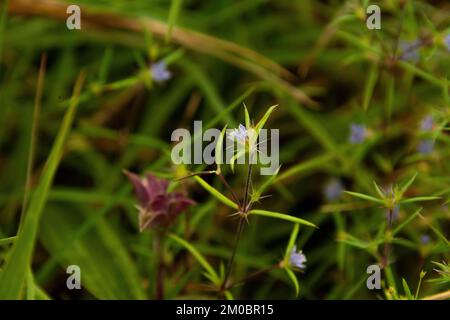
<point x="447" y="41"/>
<point x="357" y="133"/>
<point x="240" y="134"/>
<point x="410" y="50"/>
<point x="425" y="146"/>
<point x="159" y="72"/>
<point x="297" y="258"/>
<point x="427" y="123"/>
<point x="425" y="239"/>
<point x="333" y="190"/>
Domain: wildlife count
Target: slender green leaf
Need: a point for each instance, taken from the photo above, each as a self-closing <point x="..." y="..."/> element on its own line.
<point x="294" y="280"/>
<point x="204" y="263"/>
<point x="263" y="120"/>
<point x="370" y="85"/>
<point x="364" y="196"/>
<point x="281" y="216"/>
<point x="233" y="159"/>
<point x="257" y="194"/>
<point x="379" y="191"/>
<point x="219" y="149"/>
<point x="419" y="199"/>
<point x="217" y="194"/>
<point x="247" y="118"/>
<point x="291" y="242"/>
<point x="406" y="222"/>
<point x="407" y="290"/>
<point x="174" y="12"/>
<point x="13" y="277"/>
<point x="408" y="184"/>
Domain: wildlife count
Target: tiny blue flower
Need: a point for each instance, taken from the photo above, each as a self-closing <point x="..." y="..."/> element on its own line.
<point x="425" y="239"/>
<point x="159" y="72"/>
<point x="333" y="190"/>
<point x="357" y="133"/>
<point x="240" y="134"/>
<point x="427" y="123"/>
<point x="425" y="146"/>
<point x="410" y="50"/>
<point x="297" y="259"/>
<point x="447" y="41"/>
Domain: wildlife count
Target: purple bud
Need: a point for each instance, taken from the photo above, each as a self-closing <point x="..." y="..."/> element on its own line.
<point x="157" y="207"/>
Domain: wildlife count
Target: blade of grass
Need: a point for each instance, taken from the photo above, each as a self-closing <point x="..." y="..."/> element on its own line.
<point x="281" y="216"/>
<point x="294" y="280"/>
<point x="174" y="12"/>
<point x="204" y="263"/>
<point x="34" y="135"/>
<point x="215" y="193"/>
<point x="19" y="260"/>
<point x="371" y="81"/>
<point x="364" y="196"/>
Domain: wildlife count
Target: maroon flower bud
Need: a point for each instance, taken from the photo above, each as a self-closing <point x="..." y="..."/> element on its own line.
<point x="157" y="207"/>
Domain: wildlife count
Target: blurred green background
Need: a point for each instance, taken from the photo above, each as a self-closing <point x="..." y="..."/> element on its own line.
<point x="315" y="59"/>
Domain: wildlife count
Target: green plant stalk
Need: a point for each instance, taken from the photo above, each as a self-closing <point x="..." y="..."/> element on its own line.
<point x="246" y="206"/>
<point x="387" y="243"/>
<point x="240" y="227"/>
<point x="385" y="258"/>
<point x="418" y="287"/>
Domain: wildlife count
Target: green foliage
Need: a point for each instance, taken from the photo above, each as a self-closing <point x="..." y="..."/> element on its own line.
<point x="18" y="264"/>
<point x="308" y="68"/>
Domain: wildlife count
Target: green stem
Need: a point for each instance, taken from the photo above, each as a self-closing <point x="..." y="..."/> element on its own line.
<point x="240" y="226"/>
<point x="247" y="187"/>
<point x="387" y="244"/>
